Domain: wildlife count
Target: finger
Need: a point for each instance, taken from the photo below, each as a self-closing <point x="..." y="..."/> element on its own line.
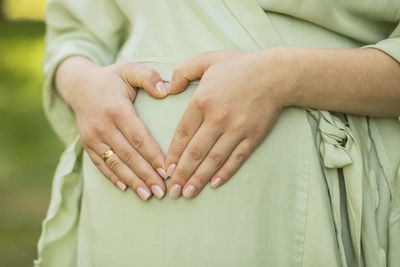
<point x="233" y="163"/>
<point x="123" y="172"/>
<point x="137" y="164"/>
<point x="139" y="137"/>
<point x="139" y="75"/>
<point x="194" y="153"/>
<point x="210" y="165"/>
<point x="186" y="71"/>
<point x="100" y="164"/>
<point x="187" y="127"/>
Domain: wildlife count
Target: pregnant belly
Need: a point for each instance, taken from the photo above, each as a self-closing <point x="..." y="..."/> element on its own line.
<point x="250" y="221"/>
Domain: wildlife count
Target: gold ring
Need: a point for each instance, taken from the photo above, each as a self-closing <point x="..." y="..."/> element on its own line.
<point x="107" y="154"/>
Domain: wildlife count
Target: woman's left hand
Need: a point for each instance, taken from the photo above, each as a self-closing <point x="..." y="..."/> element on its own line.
<point x="235" y="105"/>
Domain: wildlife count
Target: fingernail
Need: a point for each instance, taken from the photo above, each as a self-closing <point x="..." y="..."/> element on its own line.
<point x="171" y="170"/>
<point x="216" y="182"/>
<point x="162" y="173"/>
<point x="175" y="191"/>
<point x="161" y="88"/>
<point x="143" y="193"/>
<point x="157" y="191"/>
<point x="189" y="191"/>
<point x="121" y="185"/>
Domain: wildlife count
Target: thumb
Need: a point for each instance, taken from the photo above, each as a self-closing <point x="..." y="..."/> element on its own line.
<point x="138" y="75"/>
<point x="188" y="70"/>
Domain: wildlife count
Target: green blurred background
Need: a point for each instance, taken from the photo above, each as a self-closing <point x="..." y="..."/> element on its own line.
<point x="29" y="150"/>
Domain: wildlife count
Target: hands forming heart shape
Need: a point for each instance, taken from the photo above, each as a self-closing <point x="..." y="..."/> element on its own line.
<point x="231" y="111"/>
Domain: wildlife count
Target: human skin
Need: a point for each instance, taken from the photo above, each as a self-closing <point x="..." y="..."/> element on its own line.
<point x="240" y="95"/>
<point x="101" y="98"/>
<point x="237" y="101"/>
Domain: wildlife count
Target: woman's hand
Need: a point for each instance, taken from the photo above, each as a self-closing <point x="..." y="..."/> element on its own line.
<point x="101" y="98"/>
<point x="231" y="111"/>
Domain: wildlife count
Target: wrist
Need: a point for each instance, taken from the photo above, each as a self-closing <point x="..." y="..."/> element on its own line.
<point x="72" y="75"/>
<point x="283" y="71"/>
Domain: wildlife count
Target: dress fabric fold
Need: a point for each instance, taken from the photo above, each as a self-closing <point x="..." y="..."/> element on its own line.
<point x="320" y="189"/>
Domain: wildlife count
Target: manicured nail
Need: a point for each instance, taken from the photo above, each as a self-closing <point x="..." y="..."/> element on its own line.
<point x="161" y="88"/>
<point x="121" y="185"/>
<point x="162" y="173"/>
<point x="157" y="191"/>
<point x="171" y="169"/>
<point x="189" y="191"/>
<point x="175" y="191"/>
<point x="143" y="193"/>
<point x="216" y="182"/>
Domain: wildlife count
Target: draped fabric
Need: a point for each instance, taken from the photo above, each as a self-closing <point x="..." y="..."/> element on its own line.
<point x="360" y="152"/>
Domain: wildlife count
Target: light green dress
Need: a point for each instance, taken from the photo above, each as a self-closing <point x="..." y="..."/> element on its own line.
<point x="322" y="189"/>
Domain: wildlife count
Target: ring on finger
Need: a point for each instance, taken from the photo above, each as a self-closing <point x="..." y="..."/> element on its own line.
<point x="107" y="154"/>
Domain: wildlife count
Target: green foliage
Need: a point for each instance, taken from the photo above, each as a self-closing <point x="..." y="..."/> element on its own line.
<point x="23" y="9"/>
<point x="29" y="150"/>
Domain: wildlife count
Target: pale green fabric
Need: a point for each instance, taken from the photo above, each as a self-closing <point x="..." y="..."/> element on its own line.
<point x="322" y="189"/>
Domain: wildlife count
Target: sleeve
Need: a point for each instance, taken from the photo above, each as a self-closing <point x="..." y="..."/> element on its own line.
<point x="91" y="28"/>
<point x="390" y="46"/>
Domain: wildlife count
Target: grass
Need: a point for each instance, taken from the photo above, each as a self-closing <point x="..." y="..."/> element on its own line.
<point x="29" y="150"/>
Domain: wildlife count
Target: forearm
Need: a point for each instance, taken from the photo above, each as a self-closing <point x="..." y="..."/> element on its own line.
<point x="355" y="81"/>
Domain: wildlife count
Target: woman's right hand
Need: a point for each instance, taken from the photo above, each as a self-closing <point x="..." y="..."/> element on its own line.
<point x="101" y="98"/>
